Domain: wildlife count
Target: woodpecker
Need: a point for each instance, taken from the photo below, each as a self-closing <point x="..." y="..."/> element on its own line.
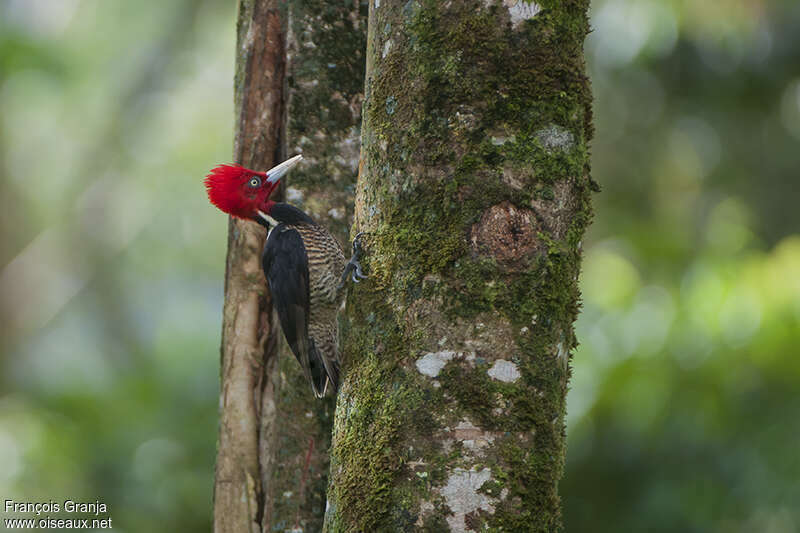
<point x="303" y="263"/>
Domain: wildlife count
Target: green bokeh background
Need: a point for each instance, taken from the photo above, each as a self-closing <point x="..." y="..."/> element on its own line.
<point x="684" y="412"/>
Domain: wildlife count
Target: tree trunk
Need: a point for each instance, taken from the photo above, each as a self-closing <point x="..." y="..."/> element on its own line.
<point x="249" y="331"/>
<point x="474" y="194"/>
<point x="272" y="464"/>
<point x="326" y="44"/>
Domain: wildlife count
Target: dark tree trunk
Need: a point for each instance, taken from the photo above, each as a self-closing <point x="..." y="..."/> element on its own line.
<point x="474" y="195"/>
<point x="326" y="44"/>
<point x="272" y="465"/>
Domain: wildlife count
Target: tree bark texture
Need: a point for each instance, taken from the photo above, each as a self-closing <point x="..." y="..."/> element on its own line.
<point x="249" y="331"/>
<point x="326" y="44"/>
<point x="474" y="194"/>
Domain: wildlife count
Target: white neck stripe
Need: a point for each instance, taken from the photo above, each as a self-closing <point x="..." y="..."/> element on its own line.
<point x="271" y="221"/>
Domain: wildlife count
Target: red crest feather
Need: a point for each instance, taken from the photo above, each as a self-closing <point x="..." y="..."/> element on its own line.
<point x="225" y="188"/>
<point x="242" y="192"/>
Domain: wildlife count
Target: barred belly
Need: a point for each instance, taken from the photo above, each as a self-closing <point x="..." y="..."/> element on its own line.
<point x="325" y="266"/>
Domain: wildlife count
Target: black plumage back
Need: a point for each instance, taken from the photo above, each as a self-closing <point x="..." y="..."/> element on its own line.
<point x="306" y="301"/>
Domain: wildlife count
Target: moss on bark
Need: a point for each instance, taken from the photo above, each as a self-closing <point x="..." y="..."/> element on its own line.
<point x="474" y="194"/>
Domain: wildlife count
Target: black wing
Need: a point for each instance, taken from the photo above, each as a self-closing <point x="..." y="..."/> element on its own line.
<point x="285" y="265"/>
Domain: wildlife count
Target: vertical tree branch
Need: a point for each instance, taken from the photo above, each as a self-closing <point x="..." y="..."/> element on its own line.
<point x="247" y="396"/>
<point x="474" y="196"/>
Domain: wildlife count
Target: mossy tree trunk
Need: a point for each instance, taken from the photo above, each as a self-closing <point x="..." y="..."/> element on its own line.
<point x="474" y="194"/>
<point x="272" y="461"/>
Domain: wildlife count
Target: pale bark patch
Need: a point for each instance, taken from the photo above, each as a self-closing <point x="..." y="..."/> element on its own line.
<point x="462" y="496"/>
<point x="433" y="362"/>
<point x="505" y="371"/>
<point x="555" y="137"/>
<point x="500" y="140"/>
<point x="521" y="10"/>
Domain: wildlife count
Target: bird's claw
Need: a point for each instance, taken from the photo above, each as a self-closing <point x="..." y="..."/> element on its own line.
<point x="353" y="267"/>
<point x="358" y="275"/>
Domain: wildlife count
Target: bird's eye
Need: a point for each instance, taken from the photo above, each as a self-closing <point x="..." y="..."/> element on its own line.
<point x="255" y="182"/>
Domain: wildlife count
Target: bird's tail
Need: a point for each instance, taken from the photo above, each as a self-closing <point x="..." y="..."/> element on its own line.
<point x="324" y="371"/>
<point x="332" y="369"/>
<point x="317" y="367"/>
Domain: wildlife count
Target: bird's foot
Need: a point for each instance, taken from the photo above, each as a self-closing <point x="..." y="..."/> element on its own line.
<point x="353" y="268"/>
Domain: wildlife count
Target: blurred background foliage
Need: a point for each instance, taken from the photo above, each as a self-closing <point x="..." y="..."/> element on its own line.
<point x="684" y="412"/>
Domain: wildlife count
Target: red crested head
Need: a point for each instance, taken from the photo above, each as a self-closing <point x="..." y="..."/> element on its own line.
<point x="238" y="191"/>
<point x="242" y="192"/>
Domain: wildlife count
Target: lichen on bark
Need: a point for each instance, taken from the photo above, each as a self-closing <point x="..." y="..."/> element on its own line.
<point x="473" y="195"/>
